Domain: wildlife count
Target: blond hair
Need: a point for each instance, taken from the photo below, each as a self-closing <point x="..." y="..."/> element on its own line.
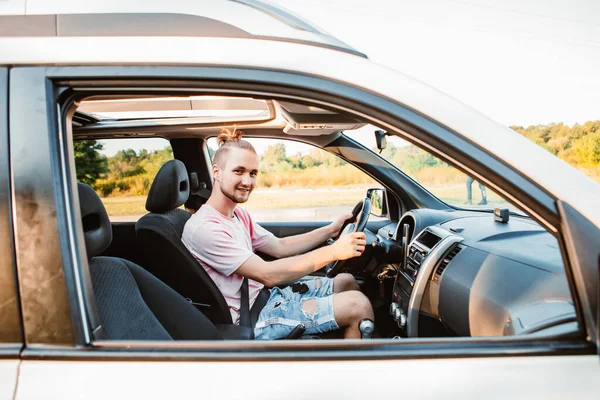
<point x="229" y="139"/>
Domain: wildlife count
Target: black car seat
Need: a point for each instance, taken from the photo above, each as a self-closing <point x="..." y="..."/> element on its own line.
<point x="165" y="255"/>
<point x="131" y="303"/>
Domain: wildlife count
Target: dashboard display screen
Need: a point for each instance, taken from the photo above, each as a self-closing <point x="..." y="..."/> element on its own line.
<point x="428" y="239"/>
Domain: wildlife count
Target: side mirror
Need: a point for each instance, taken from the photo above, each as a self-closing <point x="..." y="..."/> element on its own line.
<point x="380" y="139"/>
<point x="378" y="202"/>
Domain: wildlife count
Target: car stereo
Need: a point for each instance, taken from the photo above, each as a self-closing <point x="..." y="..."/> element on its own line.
<point x="418" y="251"/>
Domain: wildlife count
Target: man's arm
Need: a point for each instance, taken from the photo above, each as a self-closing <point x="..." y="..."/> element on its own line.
<point x="299" y="244"/>
<point x="288" y="269"/>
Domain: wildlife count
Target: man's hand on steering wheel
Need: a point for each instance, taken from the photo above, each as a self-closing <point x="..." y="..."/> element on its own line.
<point x="360" y="214"/>
<point x="336" y="226"/>
<point x="349" y="246"/>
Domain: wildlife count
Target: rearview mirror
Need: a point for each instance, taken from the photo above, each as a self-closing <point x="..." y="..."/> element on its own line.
<point x="380" y="139"/>
<point x="378" y="202"/>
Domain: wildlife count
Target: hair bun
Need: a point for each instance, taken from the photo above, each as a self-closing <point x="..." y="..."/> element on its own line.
<point x="229" y="136"/>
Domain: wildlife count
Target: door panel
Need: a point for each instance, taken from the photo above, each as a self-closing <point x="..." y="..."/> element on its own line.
<point x="429" y="376"/>
<point x="8" y="378"/>
<point x="558" y="377"/>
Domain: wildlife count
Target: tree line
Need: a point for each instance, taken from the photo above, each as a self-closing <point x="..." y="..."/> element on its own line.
<point x="126" y="173"/>
<point x="131" y="173"/>
<point x="578" y="145"/>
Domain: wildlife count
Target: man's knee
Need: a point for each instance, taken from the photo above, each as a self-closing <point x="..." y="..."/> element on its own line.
<point x="344" y="282"/>
<point x="353" y="305"/>
<point x="362" y="305"/>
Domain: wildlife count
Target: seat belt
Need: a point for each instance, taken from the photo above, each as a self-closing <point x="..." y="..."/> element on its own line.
<point x="245" y="306"/>
<point x="245" y="318"/>
<point x="248" y="318"/>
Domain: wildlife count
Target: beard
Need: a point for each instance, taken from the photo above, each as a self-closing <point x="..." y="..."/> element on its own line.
<point x="238" y="199"/>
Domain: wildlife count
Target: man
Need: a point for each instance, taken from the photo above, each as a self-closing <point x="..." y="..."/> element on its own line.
<point x="223" y="239"/>
<point x="470" y="192"/>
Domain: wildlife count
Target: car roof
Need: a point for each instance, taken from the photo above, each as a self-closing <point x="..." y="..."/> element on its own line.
<point x="199" y="18"/>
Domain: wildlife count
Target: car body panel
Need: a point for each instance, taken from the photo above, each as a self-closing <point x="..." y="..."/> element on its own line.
<point x="9" y="370"/>
<point x="467" y="378"/>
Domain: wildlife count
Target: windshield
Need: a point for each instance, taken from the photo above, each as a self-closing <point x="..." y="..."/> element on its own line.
<point x="444" y="181"/>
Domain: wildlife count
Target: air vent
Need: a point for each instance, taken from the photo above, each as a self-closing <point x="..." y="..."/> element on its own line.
<point x="445" y="262"/>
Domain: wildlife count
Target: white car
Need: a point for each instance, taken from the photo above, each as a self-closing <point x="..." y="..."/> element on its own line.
<point x="473" y="302"/>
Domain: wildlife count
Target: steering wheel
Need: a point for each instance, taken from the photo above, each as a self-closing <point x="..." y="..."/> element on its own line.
<point x="360" y="211"/>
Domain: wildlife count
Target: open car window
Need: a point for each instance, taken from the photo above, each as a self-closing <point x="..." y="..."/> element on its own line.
<point x="419" y="254"/>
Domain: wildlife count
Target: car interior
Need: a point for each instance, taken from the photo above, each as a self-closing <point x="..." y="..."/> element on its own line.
<point x="430" y="269"/>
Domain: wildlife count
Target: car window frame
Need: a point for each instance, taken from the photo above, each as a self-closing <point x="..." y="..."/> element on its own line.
<point x="53" y="80"/>
<point x="49" y="293"/>
<point x="11" y="329"/>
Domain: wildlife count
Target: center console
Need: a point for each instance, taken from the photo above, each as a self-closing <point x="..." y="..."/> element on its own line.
<point x="421" y="257"/>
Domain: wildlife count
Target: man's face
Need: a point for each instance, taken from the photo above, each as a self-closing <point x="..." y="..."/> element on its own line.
<point x="237" y="178"/>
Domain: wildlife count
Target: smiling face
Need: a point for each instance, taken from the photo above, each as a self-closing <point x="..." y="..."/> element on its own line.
<point x="237" y="176"/>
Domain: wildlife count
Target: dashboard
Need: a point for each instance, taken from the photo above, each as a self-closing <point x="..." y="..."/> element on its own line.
<point x="478" y="276"/>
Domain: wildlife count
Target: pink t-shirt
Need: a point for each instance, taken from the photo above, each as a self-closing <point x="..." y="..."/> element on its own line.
<point x="221" y="245"/>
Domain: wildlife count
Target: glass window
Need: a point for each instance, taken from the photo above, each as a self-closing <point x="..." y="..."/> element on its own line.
<point x="441" y="179"/>
<point x="300" y="182"/>
<point x="121" y="171"/>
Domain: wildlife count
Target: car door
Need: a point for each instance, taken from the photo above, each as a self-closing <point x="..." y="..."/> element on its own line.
<point x="10" y="319"/>
<point x="62" y="356"/>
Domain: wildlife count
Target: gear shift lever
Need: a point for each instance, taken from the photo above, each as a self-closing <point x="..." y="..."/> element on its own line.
<point x="366" y="326"/>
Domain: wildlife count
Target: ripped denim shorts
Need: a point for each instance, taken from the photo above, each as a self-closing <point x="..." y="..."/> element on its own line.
<point x="286" y="309"/>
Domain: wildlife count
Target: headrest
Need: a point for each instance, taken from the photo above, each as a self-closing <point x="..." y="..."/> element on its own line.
<point x="96" y="225"/>
<point x="170" y="189"/>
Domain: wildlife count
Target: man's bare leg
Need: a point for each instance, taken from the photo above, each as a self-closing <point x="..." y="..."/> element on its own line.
<point x="344" y="282"/>
<point x="349" y="308"/>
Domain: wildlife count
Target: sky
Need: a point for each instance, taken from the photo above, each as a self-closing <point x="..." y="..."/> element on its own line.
<point x="520" y="62"/>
